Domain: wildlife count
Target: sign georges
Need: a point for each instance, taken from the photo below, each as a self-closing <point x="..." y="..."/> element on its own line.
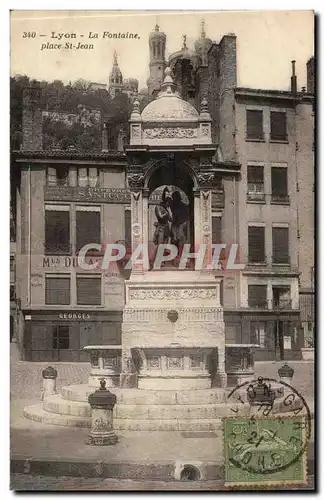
<point x="74" y="315"/>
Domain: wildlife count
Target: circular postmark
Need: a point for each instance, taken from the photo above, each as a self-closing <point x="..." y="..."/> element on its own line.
<point x="270" y="427"/>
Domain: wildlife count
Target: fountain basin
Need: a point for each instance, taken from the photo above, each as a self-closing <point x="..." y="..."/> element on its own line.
<point x="105" y="363"/>
<point x="239" y="363"/>
<point x="173" y="367"/>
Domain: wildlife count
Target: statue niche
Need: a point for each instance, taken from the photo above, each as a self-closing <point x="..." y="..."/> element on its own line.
<point x="171" y="217"/>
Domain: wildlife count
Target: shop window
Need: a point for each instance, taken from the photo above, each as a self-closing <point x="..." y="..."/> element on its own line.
<point x="12" y="293"/>
<point x="254" y="124"/>
<point x="88" y="177"/>
<point x="278" y="126"/>
<point x="62" y="176"/>
<point x="258" y="333"/>
<point x="255" y="179"/>
<point x="281" y="298"/>
<point x="88" y="290"/>
<point x="87" y="226"/>
<point x="257" y="296"/>
<point x="61" y="337"/>
<point x="280" y="245"/>
<point x="279" y="185"/>
<point x="57" y="290"/>
<point x="57" y="230"/>
<point x="256" y="244"/>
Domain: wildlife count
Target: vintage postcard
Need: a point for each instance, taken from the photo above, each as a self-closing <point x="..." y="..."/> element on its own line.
<point x="162" y="250"/>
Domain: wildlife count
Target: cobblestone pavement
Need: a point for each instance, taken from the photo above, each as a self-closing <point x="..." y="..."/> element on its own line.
<point x="26" y="377"/>
<point x="44" y="483"/>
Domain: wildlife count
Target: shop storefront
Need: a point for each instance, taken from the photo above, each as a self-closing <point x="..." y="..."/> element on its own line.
<point x="278" y="335"/>
<point x="60" y="335"/>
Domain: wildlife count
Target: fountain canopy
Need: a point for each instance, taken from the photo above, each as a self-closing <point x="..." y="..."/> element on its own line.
<point x="170" y="120"/>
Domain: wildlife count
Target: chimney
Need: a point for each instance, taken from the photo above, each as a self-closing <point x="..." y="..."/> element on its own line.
<point x="311" y="76"/>
<point x="104" y="138"/>
<point x="293" y="79"/>
<point x="32" y="134"/>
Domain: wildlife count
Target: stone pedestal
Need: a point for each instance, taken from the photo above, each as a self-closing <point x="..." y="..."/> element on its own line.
<point x="239" y="363"/>
<point x="49" y="382"/>
<point x="286" y="374"/>
<point x="105" y="364"/>
<point x="102" y="403"/>
<point x="172" y="322"/>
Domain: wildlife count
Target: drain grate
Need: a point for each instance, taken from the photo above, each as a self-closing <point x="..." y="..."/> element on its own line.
<point x="189" y="473"/>
<point x="204" y="434"/>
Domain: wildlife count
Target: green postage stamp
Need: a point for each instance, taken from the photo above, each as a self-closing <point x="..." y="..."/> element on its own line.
<point x="265" y="451"/>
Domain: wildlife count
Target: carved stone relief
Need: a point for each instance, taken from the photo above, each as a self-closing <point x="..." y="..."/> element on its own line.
<point x="171" y="294"/>
<point x="170" y="133"/>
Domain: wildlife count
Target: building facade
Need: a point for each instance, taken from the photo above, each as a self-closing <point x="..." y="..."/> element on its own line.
<point x="262" y="200"/>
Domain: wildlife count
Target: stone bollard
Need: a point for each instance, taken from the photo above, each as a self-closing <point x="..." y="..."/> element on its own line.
<point x="102" y="403"/>
<point x="49" y="382"/>
<point x="286" y="374"/>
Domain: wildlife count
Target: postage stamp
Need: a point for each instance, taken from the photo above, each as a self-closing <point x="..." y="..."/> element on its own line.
<point x="263" y="451"/>
<point x="266" y="442"/>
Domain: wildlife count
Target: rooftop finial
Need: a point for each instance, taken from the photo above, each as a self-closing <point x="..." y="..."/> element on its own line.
<point x="136" y="114"/>
<point x="168" y="84"/>
<point x="157" y="28"/>
<point x="184" y="46"/>
<point x="203" y="32"/>
<point x="115" y="58"/>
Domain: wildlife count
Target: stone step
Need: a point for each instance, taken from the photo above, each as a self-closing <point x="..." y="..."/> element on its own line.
<point x="56" y="404"/>
<point x="38" y="414"/>
<point x="142" y="396"/>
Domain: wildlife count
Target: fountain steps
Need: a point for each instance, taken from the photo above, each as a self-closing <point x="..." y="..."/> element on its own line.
<point x="147" y="397"/>
<point x="56" y="404"/>
<point x="38" y="414"/>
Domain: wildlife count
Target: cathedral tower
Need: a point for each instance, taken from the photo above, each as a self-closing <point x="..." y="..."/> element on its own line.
<point x="115" y="78"/>
<point x="157" y="40"/>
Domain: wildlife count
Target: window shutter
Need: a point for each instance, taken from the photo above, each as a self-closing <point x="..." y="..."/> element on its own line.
<point x="278" y="126"/>
<point x="254" y="124"/>
<point x="57" y="290"/>
<point x="256" y="244"/>
<point x="280" y="245"/>
<point x="57" y="231"/>
<point x="257" y="295"/>
<point x="279" y="181"/>
<point x="87" y="228"/>
<point x="255" y="174"/>
<point x="89" y="291"/>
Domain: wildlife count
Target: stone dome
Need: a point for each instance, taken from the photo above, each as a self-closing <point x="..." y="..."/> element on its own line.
<point x="169" y="105"/>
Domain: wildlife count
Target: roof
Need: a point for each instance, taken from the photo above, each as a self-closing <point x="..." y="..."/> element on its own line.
<point x="169" y="105"/>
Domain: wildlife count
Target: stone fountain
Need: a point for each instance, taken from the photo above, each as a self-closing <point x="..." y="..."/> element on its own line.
<point x="169" y="372"/>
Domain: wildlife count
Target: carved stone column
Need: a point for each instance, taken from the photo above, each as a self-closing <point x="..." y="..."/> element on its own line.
<point x="206" y="223"/>
<point x="137" y="226"/>
<point x="221" y="374"/>
<point x="128" y="376"/>
<point x="145" y="221"/>
<point x="197" y="220"/>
